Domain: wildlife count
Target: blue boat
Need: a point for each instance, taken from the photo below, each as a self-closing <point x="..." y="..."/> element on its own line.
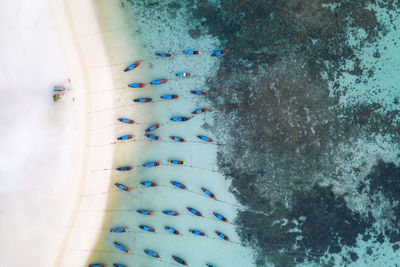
<point x="125" y="120"/>
<point x="143" y="100"/>
<point x="118" y="265"/>
<point x="160" y="81"/>
<point x="151" y="253"/>
<point x="133" y="65"/>
<point x="121" y="247"/>
<point x="172" y="230"/>
<point x="153" y="127"/>
<point x="152" y="164"/>
<point x="195" y="212"/>
<point x="125" y="137"/>
<point x="124" y="168"/>
<point x="197" y="92"/>
<point x="163" y="54"/>
<point x="180" y="118"/>
<point x="221" y="235"/>
<point x="179" y="185"/>
<point x="97" y="265"/>
<point x="191" y="52"/>
<point x="153" y="137"/>
<point x="148" y="184"/>
<point x="184" y="74"/>
<point x="197" y="232"/>
<point x="137" y="85"/>
<point x="119" y="230"/>
<point x="145" y="212"/>
<point x="219" y="53"/>
<point x="147" y="228"/>
<point x="123" y="187"/>
<point x="171" y="96"/>
<point x="171" y="213"/>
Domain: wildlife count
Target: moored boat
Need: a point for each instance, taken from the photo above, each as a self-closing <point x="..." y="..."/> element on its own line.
<point x="142" y="100"/>
<point x="221" y="235"/>
<point x="126" y="137"/>
<point x="153" y="127"/>
<point x="197" y="92"/>
<point x="96" y="265"/>
<point x="184" y="74"/>
<point x="147" y="228"/>
<point x="153" y="136"/>
<point x="220" y="217"/>
<point x="180" y="118"/>
<point x="179" y="185"/>
<point x="145" y="212"/>
<point x="177" y="139"/>
<point x="133" y="65"/>
<point x="197" y="232"/>
<point x="195" y="212"/>
<point x="137" y="85"/>
<point x="219" y="52"/>
<point x="210" y="265"/>
<point x="124" y="168"/>
<point x="172" y="230"/>
<point x="191" y="52"/>
<point x="123" y="187"/>
<point x="208" y="193"/>
<point x="119" y="230"/>
<point x="200" y="110"/>
<point x="118" y="265"/>
<point x="125" y="120"/>
<point x="152" y="164"/>
<point x="179" y="260"/>
<point x="177" y="162"/>
<point x="170" y="96"/>
<point x="171" y="213"/>
<point x="122" y="247"/>
<point x="148" y="184"/>
<point x="164" y="54"/>
<point x="151" y="253"/>
<point x="205" y="138"/>
<point x="160" y="81"/>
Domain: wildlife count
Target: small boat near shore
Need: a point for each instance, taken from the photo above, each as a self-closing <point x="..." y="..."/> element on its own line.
<point x="180" y="118"/>
<point x="179" y="185"/>
<point x="171" y="96"/>
<point x="195" y="212"/>
<point x="197" y="92"/>
<point x="142" y="100"/>
<point x="151" y="253"/>
<point x="152" y="164"/>
<point x="153" y="127"/>
<point x="148" y="184"/>
<point x="123" y="187"/>
<point x="119" y="230"/>
<point x="220" y="217"/>
<point x="177" y="139"/>
<point x="147" y="228"/>
<point x="126" y="137"/>
<point x="191" y="52"/>
<point x="118" y="265"/>
<point x="200" y="110"/>
<point x="124" y="168"/>
<point x="179" y="260"/>
<point x="160" y="81"/>
<point x="197" y="232"/>
<point x="164" y="54"/>
<point x="125" y="120"/>
<point x="137" y="85"/>
<point x="219" y="52"/>
<point x="172" y="230"/>
<point x="208" y="193"/>
<point x="97" y="265"/>
<point x="171" y="213"/>
<point x="133" y="65"/>
<point x="122" y="247"/>
<point x="210" y="265"/>
<point x="221" y="235"/>
<point x="145" y="212"/>
<point x="205" y="138"/>
<point x="177" y="162"/>
<point x="153" y="137"/>
<point x="184" y="74"/>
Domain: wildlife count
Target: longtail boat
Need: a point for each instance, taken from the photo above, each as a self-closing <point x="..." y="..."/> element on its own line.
<point x="197" y="232"/>
<point x="122" y="247"/>
<point x="163" y="54"/>
<point x="125" y="120"/>
<point x="177" y="162"/>
<point x="148" y="184"/>
<point x="152" y="164"/>
<point x="221" y="235"/>
<point x="145" y="212"/>
<point x="137" y="85"/>
<point x="199" y="110"/>
<point x="179" y="185"/>
<point x="197" y="92"/>
<point x="180" y="118"/>
<point x="160" y="81"/>
<point x="153" y="127"/>
<point x="219" y="52"/>
<point x="124" y="168"/>
<point x="220" y="217"/>
<point x="177" y="139"/>
<point x="118" y="265"/>
<point x="147" y="228"/>
<point x="191" y="52"/>
<point x="97" y="265"/>
<point x="119" y="230"/>
<point x="151" y="253"/>
<point x="123" y="187"/>
<point x="195" y="212"/>
<point x="133" y="65"/>
<point x="126" y="137"/>
<point x="208" y="193"/>
<point x="205" y="138"/>
<point x="172" y="230"/>
<point x="171" y="213"/>
<point x="184" y="74"/>
<point x="142" y="100"/>
<point x="153" y="136"/>
<point x="171" y="96"/>
<point x="179" y="260"/>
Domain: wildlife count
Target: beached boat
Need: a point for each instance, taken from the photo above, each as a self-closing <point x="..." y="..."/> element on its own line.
<point x="221" y="235"/>
<point x="142" y="100"/>
<point x="179" y="260"/>
<point x="147" y="228"/>
<point x="163" y="54"/>
<point x="208" y="193"/>
<point x="171" y="96"/>
<point x="191" y="52"/>
<point x="124" y="168"/>
<point x="219" y="52"/>
<point x="152" y="164"/>
<point x="137" y="85"/>
<point x="180" y="118"/>
<point x="177" y="162"/>
<point x="179" y="185"/>
<point x="220" y="217"/>
<point x="177" y="139"/>
<point x="153" y="127"/>
<point x="145" y="212"/>
<point x="122" y="247"/>
<point x="97" y="265"/>
<point x="126" y="137"/>
<point x="205" y="138"/>
<point x="195" y="212"/>
<point x="197" y="232"/>
<point x="197" y="92"/>
<point x="200" y="110"/>
<point x="184" y="74"/>
<point x="118" y="265"/>
<point x="172" y="230"/>
<point x="160" y="81"/>
<point x="153" y="136"/>
<point x="119" y="230"/>
<point x="125" y="120"/>
<point x="151" y="253"/>
<point x="171" y="213"/>
<point x="123" y="187"/>
<point x="148" y="184"/>
<point x="133" y="65"/>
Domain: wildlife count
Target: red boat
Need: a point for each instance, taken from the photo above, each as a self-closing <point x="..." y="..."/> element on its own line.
<point x="171" y="213"/>
<point x="220" y="217"/>
<point x="147" y="228"/>
<point x="137" y="85"/>
<point x="221" y="235"/>
<point x="177" y="139"/>
<point x="160" y="81"/>
<point x="128" y="121"/>
<point x="179" y="185"/>
<point x="142" y="100"/>
<point x="172" y="96"/>
<point x="151" y="253"/>
<point x="172" y="230"/>
<point x="145" y="212"/>
<point x="197" y="92"/>
<point x="153" y="127"/>
<point x="200" y="110"/>
<point x="153" y="136"/>
<point x="195" y="212"/>
<point x="148" y="184"/>
<point x="133" y="65"/>
<point x="208" y="193"/>
<point x="205" y="138"/>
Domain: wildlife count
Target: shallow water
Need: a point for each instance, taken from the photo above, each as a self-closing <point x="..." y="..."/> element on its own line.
<point x="305" y="108"/>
